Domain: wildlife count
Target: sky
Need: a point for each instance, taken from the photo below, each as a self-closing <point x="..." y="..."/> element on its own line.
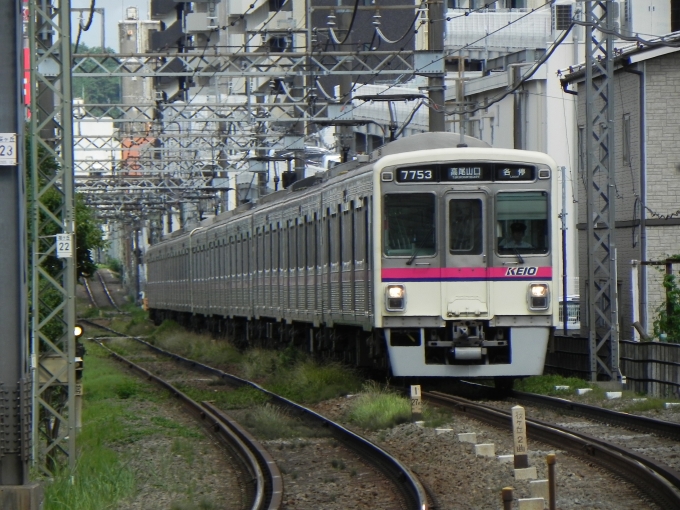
<point x="114" y="11"/>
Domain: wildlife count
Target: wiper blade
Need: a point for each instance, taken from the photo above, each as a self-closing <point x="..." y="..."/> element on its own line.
<point x="416" y="249"/>
<point x="519" y="257"/>
<point x="413" y="257"/>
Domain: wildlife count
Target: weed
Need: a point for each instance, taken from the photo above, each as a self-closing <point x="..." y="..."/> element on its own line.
<point x="545" y="384"/>
<point x="651" y="404"/>
<point x="270" y="422"/>
<point x="127" y="388"/>
<point x="379" y="408"/>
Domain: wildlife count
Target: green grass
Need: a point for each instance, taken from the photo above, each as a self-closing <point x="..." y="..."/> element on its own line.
<point x="545" y="385"/>
<point x="237" y="399"/>
<point x="379" y="408"/>
<point x="270" y="422"/>
<point x="216" y="352"/>
<point x="310" y="382"/>
<point x="111" y="420"/>
<point x="650" y="404"/>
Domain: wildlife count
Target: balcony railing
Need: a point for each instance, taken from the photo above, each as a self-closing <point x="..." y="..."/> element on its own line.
<point x="506" y="30"/>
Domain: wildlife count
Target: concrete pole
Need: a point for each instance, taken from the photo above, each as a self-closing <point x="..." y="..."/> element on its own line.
<point x="13" y="291"/>
<point x="436" y="82"/>
<point x="15" y="395"/>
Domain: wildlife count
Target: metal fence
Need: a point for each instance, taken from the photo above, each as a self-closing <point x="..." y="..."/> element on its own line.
<point x="649" y="367"/>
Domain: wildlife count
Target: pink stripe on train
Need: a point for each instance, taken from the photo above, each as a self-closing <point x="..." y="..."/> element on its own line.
<point x="466" y="273"/>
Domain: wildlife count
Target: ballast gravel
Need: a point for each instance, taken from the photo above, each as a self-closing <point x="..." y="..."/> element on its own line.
<point x="458" y="479"/>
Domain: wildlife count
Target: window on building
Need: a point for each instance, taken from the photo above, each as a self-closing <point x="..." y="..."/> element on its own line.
<point x="581" y="151"/>
<point x="626" y="139"/>
<point x="675" y="16"/>
<point x="561" y="15"/>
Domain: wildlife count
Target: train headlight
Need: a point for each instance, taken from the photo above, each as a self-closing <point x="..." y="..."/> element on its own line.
<point x="395" y="297"/>
<point x="539" y="296"/>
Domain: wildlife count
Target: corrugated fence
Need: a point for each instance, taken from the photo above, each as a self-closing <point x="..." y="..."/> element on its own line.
<point x="649" y="367"/>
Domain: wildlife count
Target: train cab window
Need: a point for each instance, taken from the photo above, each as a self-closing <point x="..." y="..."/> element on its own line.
<point x="409" y="224"/>
<point x="522" y="222"/>
<point x="466" y="226"/>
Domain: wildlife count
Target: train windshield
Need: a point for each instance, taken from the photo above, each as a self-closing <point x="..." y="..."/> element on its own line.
<point x="409" y="224"/>
<point x="522" y="222"/>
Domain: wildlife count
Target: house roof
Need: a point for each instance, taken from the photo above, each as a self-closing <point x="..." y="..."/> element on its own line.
<point x="638" y="51"/>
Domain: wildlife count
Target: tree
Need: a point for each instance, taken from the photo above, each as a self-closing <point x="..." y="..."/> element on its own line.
<point x="89" y="235"/>
<point x="97" y="90"/>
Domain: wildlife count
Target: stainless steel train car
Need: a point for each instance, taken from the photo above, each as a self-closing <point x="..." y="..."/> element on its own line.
<point x="429" y="258"/>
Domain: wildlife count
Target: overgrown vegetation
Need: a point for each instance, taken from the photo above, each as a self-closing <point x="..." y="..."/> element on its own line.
<point x="101" y="477"/>
<point x="271" y="422"/>
<point x="378" y="407"/>
<point x="545" y="385"/>
<point x="667" y="321"/>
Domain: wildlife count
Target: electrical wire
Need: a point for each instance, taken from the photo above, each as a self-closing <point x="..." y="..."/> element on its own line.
<point x="349" y="30"/>
<point x="524" y="78"/>
<point x="408" y="30"/>
<point x="86" y="27"/>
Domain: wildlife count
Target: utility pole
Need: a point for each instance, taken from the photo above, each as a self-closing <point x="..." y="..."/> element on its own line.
<point x="436" y="82"/>
<point x="602" y="300"/>
<point x="15" y="387"/>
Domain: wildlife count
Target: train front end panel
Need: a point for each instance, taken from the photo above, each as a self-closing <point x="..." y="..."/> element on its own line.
<point x="466" y="248"/>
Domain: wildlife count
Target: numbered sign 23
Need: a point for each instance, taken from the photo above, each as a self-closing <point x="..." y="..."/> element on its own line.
<point x="8" y="149"/>
<point x="64" y="246"/>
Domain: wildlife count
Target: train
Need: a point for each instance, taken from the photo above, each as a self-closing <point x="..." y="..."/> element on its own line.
<point x="433" y="256"/>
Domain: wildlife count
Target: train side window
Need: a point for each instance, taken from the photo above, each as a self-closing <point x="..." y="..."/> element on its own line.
<point x="409" y="224"/>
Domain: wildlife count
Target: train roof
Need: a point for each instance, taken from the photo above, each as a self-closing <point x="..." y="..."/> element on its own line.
<point x="425" y="141"/>
<point x="422" y="141"/>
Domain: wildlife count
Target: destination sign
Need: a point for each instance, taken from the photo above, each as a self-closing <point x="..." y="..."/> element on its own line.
<point x="515" y="173"/>
<point x="465" y="171"/>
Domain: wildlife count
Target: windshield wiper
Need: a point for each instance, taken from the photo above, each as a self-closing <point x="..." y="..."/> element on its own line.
<point x="519" y="257"/>
<point x="420" y="245"/>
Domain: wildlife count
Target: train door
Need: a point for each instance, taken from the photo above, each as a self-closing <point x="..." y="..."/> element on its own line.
<point x="465" y="291"/>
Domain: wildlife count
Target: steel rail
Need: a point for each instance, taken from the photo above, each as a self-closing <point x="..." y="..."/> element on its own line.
<point x="408" y="485"/>
<point x="629" y="421"/>
<point x="106" y="291"/>
<point x="658" y="481"/>
<point x="405" y="481"/>
<point x="266" y="475"/>
<point x="89" y="292"/>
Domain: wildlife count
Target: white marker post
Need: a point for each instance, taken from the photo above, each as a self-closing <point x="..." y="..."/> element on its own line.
<point x="416" y="403"/>
<point x="519" y="434"/>
<point x="64" y="246"/>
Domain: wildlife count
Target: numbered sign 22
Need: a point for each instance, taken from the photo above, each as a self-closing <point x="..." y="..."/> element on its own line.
<point x="64" y="246"/>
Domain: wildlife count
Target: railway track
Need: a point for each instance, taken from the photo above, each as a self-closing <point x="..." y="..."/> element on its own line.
<point x="98" y="292"/>
<point x="652" y="476"/>
<point x="405" y="486"/>
<point x="264" y="489"/>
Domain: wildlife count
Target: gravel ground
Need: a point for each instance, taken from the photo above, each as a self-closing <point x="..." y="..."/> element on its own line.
<point x="460" y="480"/>
<point x="180" y="473"/>
<point x="319" y="474"/>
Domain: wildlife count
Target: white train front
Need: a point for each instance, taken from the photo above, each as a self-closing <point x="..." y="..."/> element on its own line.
<point x="432" y="259"/>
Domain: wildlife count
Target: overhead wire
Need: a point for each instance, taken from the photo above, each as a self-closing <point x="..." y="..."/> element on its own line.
<point x="84" y="28"/>
<point x="349" y="29"/>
